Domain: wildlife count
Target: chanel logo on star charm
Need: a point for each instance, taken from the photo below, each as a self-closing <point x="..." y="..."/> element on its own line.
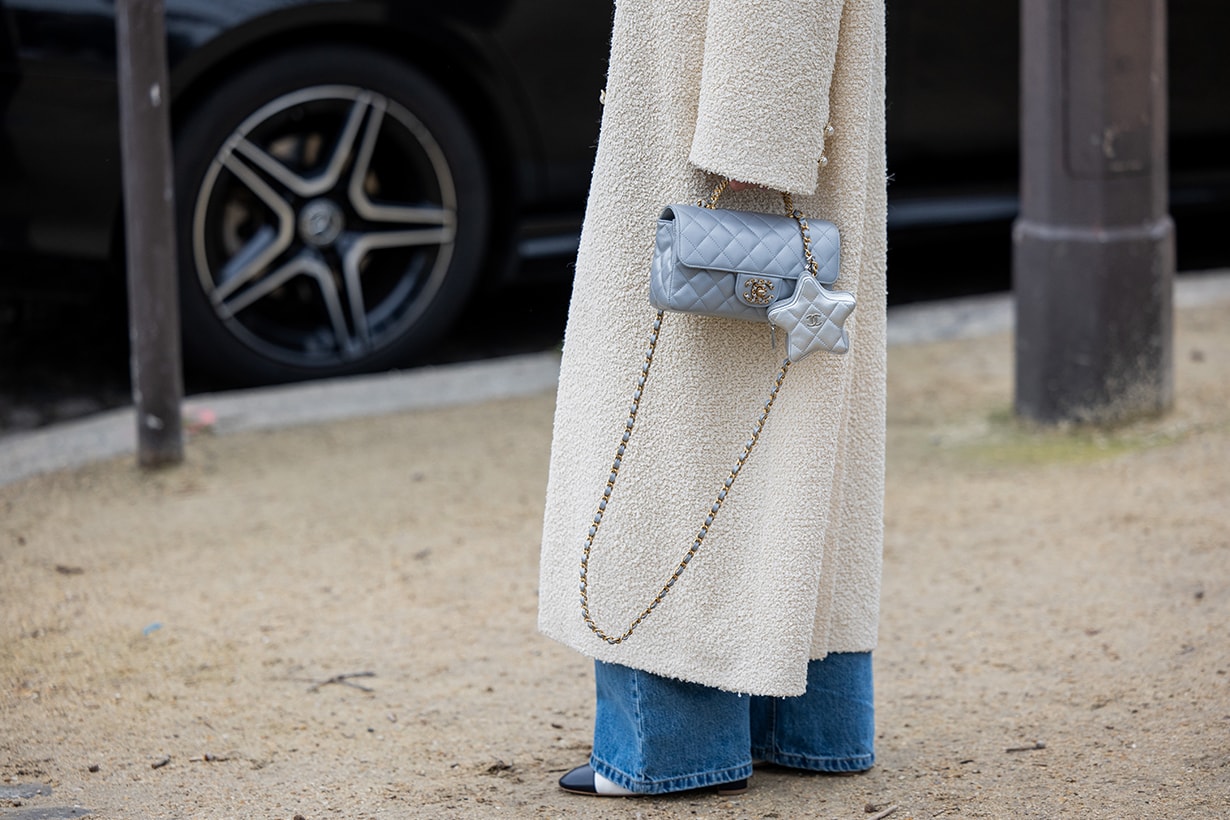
<point x="813" y="320"/>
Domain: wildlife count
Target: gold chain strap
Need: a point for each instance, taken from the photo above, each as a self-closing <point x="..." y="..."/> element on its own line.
<point x="813" y="267"/>
<point x="748" y="446"/>
<point x="626" y="436"/>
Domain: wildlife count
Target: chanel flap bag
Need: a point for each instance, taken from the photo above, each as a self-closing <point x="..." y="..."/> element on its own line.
<point x="743" y="264"/>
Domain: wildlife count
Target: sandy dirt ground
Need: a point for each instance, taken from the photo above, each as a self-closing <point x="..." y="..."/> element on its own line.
<point x="1055" y="637"/>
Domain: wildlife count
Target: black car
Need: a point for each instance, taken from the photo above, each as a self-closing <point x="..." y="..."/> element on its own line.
<point x="348" y="171"/>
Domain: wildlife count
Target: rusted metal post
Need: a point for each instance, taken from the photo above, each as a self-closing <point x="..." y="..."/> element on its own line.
<point x="149" y="221"/>
<point x="1094" y="246"/>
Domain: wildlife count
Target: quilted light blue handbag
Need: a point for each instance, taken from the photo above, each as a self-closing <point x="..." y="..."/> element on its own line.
<point x="721" y="262"/>
<point x="749" y="265"/>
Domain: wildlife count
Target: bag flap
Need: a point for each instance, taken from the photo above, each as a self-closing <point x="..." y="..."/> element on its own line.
<point x="751" y="242"/>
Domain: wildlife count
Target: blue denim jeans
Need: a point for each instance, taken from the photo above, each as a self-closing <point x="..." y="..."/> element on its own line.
<point x="654" y="734"/>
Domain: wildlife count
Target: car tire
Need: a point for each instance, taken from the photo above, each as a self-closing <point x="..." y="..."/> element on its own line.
<point x="332" y="209"/>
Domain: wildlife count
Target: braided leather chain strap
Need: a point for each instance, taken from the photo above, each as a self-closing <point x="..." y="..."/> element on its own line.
<point x="716" y="507"/>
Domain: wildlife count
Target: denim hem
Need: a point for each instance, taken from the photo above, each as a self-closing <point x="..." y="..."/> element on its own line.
<point x="857" y="763"/>
<point x="699" y="780"/>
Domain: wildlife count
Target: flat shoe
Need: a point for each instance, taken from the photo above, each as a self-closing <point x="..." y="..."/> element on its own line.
<point x="584" y="780"/>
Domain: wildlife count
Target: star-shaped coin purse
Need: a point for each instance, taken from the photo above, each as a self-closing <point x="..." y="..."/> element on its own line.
<point x="814" y="319"/>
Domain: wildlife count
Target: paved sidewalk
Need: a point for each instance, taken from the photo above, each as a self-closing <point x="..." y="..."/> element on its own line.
<point x="337" y="620"/>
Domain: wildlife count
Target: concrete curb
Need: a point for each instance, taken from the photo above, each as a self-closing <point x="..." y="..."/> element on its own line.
<point x="113" y="433"/>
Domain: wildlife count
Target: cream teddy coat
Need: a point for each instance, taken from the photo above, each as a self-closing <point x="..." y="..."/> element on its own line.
<point x="791" y="569"/>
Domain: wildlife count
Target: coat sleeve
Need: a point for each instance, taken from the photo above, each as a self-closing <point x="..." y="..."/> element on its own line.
<point x="764" y="93"/>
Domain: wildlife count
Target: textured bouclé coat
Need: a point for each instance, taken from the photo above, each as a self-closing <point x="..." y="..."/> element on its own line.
<point x="791" y="568"/>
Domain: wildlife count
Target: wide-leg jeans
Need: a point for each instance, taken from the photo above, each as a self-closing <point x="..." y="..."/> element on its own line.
<point x="654" y="735"/>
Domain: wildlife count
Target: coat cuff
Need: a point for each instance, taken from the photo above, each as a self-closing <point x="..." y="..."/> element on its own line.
<point x="764" y="93"/>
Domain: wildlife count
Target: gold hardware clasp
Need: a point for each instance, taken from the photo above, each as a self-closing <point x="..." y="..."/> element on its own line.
<point x="758" y="291"/>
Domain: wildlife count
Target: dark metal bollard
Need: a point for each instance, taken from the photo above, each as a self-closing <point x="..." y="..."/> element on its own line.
<point x="149" y="206"/>
<point x="1094" y="247"/>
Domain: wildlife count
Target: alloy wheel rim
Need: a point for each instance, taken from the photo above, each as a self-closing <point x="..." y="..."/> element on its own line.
<point x="324" y="226"/>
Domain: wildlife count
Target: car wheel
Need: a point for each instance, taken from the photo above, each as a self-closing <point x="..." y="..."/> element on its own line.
<point x="332" y="217"/>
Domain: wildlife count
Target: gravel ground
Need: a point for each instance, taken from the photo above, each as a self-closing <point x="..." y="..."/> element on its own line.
<point x="177" y="645"/>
